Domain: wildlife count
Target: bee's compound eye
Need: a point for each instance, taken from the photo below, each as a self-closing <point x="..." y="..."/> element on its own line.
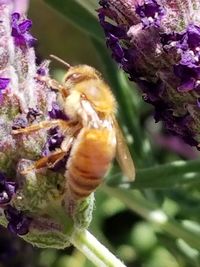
<point x="74" y="77"/>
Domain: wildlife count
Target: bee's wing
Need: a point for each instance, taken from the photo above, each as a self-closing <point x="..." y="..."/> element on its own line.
<point x="123" y="155"/>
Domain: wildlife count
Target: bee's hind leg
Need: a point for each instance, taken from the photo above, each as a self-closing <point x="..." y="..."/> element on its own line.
<point x="51" y="160"/>
<point x="55" y="85"/>
<point x="45" y="162"/>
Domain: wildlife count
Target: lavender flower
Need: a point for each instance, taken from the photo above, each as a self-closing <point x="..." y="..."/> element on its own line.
<point x="57" y="113"/>
<point x="18" y="223"/>
<point x="39" y="208"/>
<point x="157" y="42"/>
<point x="150" y="13"/>
<point x="54" y="140"/>
<point x="7" y="190"/>
<point x="4" y="83"/>
<point x="20" y="31"/>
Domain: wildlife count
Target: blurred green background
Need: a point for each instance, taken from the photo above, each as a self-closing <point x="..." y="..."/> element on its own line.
<point x="137" y="241"/>
<point x="58" y="36"/>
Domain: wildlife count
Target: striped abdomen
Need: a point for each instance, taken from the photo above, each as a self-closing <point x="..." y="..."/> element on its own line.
<point x="89" y="160"/>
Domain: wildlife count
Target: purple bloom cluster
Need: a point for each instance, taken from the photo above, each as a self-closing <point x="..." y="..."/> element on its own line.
<point x="188" y="68"/>
<point x="18" y="222"/>
<point x="54" y="140"/>
<point x="7" y="190"/>
<point x="20" y="31"/>
<point x="158" y="44"/>
<point x="150" y="13"/>
<point x="43" y="69"/>
<point x="4" y="83"/>
<point x="55" y="136"/>
<point x="57" y="113"/>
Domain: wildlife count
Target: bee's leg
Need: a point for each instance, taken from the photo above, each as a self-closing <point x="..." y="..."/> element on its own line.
<point x="44" y="162"/>
<point x="41" y="125"/>
<point x="51" y="160"/>
<point x="54" y="85"/>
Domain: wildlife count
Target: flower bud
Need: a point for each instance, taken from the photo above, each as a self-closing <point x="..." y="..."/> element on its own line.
<point x="157" y="42"/>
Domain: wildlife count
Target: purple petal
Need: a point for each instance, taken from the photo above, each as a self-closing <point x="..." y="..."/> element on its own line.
<point x="7" y="190"/>
<point x="20" y="31"/>
<point x="29" y="39"/>
<point x="57" y="113"/>
<point x="41" y="71"/>
<point x="54" y="140"/>
<point x="15" y="17"/>
<point x="187" y="85"/>
<point x="25" y="25"/>
<point x="4" y="83"/>
<point x="18" y="222"/>
<point x="21" y="227"/>
<point x="150" y="12"/>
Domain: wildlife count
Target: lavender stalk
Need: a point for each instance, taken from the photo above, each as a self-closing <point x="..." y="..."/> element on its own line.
<point x="33" y="204"/>
<point x="157" y="43"/>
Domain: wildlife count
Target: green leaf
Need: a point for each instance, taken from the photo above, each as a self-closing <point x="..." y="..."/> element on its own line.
<point x="91" y="5"/>
<point x="80" y="16"/>
<point x="170" y="175"/>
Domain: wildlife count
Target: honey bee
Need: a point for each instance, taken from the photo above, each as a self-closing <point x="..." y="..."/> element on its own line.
<point x="92" y="134"/>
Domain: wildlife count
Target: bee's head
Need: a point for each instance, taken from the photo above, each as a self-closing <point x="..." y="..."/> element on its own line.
<point x="80" y="73"/>
<point x="89" y="83"/>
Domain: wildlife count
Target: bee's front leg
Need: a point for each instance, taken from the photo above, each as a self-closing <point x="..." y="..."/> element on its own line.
<point x="41" y="125"/>
<point x="53" y="84"/>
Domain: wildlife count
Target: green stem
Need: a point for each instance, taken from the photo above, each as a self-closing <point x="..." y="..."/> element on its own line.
<point x="94" y="250"/>
<point x="139" y="205"/>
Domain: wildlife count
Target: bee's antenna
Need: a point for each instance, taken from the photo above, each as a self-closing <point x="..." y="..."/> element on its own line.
<point x="61" y="61"/>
